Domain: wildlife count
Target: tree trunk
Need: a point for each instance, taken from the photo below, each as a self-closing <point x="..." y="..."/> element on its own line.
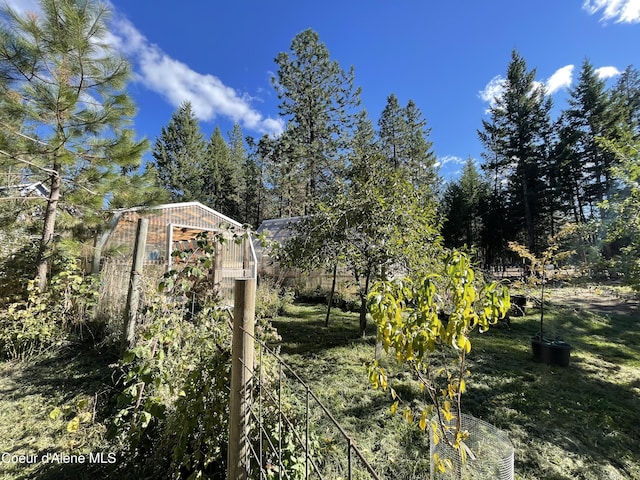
<point x="333" y="289"/>
<point x="363" y="305"/>
<point x="48" y="230"/>
<point x="528" y="215"/>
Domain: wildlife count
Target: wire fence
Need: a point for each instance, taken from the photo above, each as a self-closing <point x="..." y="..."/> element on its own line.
<point x="293" y="435"/>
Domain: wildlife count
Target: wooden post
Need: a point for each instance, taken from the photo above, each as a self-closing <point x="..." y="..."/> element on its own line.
<point x="133" y="295"/>
<point x="217" y="267"/>
<point x="241" y="375"/>
<point x="97" y="253"/>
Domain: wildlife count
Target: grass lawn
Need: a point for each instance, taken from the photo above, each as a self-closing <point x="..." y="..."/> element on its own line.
<point x="72" y="379"/>
<point x="579" y="422"/>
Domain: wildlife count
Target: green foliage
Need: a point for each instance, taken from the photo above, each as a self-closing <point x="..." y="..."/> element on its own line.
<point x="45" y="319"/>
<point x="517" y="141"/>
<point x="70" y="114"/>
<point x="77" y="423"/>
<point x="172" y="417"/>
<point x="404" y="141"/>
<point x="220" y="176"/>
<point x="623" y="208"/>
<point x="172" y="411"/>
<point x="464" y="207"/>
<point x="317" y="98"/>
<point x="427" y="324"/>
<point x="179" y="153"/>
<point x="28" y="327"/>
<point x="552" y="255"/>
<point x="271" y="301"/>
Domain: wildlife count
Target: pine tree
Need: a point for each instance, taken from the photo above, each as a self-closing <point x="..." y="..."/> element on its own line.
<point x="393" y="132"/>
<point x="516" y="153"/>
<point x="464" y="204"/>
<point x="220" y="182"/>
<point x="626" y="99"/>
<point x="66" y="85"/>
<point x="420" y="159"/>
<point x="404" y="141"/>
<point x="584" y="166"/>
<point x="252" y="188"/>
<point x="179" y="153"/>
<point x="317" y="99"/>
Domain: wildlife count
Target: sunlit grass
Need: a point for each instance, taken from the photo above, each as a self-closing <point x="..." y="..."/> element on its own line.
<point x="579" y="422"/>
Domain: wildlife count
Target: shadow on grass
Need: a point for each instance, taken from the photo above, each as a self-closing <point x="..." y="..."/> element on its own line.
<point x="65" y="374"/>
<point x="586" y="412"/>
<point x="303" y="331"/>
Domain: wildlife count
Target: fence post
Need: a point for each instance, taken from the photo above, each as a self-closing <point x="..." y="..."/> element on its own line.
<point x="133" y="295"/>
<point x="244" y="304"/>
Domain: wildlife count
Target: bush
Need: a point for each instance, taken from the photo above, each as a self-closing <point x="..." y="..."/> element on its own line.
<point x="45" y="319"/>
<point x="173" y="410"/>
<point x="28" y="327"/>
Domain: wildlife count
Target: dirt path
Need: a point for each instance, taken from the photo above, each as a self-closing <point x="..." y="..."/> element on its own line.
<point x="602" y="300"/>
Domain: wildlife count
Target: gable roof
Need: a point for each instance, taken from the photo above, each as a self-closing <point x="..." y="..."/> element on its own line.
<point x="196" y="205"/>
<point x="35" y="189"/>
<point x="279" y="229"/>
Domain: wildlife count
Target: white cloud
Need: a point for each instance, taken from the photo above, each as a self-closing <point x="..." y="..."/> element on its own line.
<point x="23" y="6"/>
<point x="449" y="159"/>
<point x="607" y="72"/>
<point x="620" y="11"/>
<point x="560" y="79"/>
<point x="493" y="90"/>
<point x="175" y="80"/>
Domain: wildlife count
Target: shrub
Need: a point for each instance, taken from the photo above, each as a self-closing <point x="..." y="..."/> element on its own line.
<point x="28" y="327"/>
<point x="45" y="319"/>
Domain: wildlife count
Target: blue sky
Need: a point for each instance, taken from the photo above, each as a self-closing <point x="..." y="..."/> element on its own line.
<point x="447" y="56"/>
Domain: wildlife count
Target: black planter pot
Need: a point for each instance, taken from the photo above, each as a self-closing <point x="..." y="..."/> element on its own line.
<point x="554" y="352"/>
<point x="560" y="353"/>
<point x="540" y="349"/>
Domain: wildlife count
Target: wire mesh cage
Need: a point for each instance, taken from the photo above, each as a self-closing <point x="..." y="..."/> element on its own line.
<point x="492" y="452"/>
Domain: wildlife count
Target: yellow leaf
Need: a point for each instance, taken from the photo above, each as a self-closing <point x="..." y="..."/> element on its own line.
<point x="55" y="413"/>
<point x="394" y="407"/>
<point x="408" y="415"/>
<point x="423" y="420"/>
<point x="73" y="425"/>
<point x="84" y="417"/>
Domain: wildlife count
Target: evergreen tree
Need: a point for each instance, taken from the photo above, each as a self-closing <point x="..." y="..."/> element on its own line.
<point x="252" y="188"/>
<point x="286" y="193"/>
<point x="464" y="204"/>
<point x="179" y="154"/>
<point x="393" y="132"/>
<point x="220" y="182"/>
<point x="516" y="153"/>
<point x="404" y="141"/>
<point x="65" y="84"/>
<point x="626" y="99"/>
<point x="317" y="99"/>
<point x="584" y="167"/>
<point x="421" y="161"/>
<point x="237" y="159"/>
